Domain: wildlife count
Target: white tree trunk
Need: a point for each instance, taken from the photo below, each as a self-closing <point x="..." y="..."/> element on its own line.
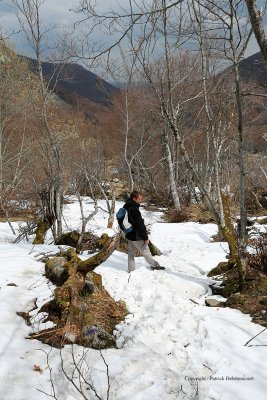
<point x="171" y="174"/>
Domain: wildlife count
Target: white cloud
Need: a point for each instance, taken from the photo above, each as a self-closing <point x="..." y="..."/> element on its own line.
<point x="58" y="12"/>
<point x="252" y="47"/>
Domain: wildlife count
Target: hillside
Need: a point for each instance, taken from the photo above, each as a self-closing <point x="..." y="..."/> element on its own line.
<point x="254" y="68"/>
<point x="74" y="83"/>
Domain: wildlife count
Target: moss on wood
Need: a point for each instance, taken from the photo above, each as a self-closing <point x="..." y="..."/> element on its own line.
<point x="42" y="228"/>
<point x="154" y="250"/>
<point x="74" y="311"/>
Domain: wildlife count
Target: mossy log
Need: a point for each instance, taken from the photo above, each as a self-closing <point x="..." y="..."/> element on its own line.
<point x="76" y="315"/>
<point x="154" y="250"/>
<point x="72" y="288"/>
<point x="228" y="230"/>
<point x="92" y="262"/>
<point x="42" y="228"/>
<point x="77" y="312"/>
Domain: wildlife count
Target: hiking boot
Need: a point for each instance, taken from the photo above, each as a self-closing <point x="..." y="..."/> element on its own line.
<point x="158" y="268"/>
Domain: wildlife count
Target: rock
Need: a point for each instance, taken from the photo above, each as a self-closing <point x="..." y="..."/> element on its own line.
<point x="55" y="271"/>
<point x="213" y="303"/>
<point x="221" y="268"/>
<point x="95" y="279"/>
<point x="70" y="337"/>
<point x="92" y="284"/>
<point x="97" y="338"/>
<point x="216" y="289"/>
<point x="89" y="287"/>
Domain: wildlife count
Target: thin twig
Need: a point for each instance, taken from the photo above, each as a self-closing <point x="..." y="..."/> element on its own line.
<point x="103" y="358"/>
<point x="51" y="376"/>
<point x="255" y="337"/>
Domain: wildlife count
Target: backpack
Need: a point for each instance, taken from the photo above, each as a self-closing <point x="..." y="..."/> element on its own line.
<point x="122" y="218"/>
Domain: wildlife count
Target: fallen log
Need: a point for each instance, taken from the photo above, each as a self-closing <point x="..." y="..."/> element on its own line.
<point x="91" y="263"/>
<point x="83" y="316"/>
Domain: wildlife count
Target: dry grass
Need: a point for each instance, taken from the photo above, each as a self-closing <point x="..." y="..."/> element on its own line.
<point x="14" y="219"/>
<point x="104" y="311"/>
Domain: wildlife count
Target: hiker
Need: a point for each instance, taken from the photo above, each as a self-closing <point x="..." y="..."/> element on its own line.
<point x="137" y="238"/>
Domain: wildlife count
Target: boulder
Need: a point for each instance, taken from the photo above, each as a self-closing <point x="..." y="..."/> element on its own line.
<point x="213" y="303"/>
<point x="92" y="283"/>
<point x="97" y="338"/>
<point x="55" y="271"/>
<point x="221" y="268"/>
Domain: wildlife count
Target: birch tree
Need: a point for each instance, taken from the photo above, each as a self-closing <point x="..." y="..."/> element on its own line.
<point x="15" y="84"/>
<point x="36" y="33"/>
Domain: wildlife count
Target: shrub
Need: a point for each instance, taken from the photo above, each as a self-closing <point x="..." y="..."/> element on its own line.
<point x="174" y="216"/>
<point x="258" y="259"/>
<point x="194" y="212"/>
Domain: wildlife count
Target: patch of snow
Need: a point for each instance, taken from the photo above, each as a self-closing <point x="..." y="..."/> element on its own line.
<point x="170" y="346"/>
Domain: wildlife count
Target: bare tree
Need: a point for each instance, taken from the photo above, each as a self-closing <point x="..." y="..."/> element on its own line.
<point x="162" y="30"/>
<point x="29" y="16"/>
<point x="14" y="142"/>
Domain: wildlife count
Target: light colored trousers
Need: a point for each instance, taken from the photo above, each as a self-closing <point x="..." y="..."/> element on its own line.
<point x="139" y="245"/>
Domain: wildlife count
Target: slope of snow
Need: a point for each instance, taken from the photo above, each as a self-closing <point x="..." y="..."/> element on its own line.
<point x="170" y="346"/>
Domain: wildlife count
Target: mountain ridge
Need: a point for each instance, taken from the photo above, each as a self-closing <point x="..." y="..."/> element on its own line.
<point x="74" y="81"/>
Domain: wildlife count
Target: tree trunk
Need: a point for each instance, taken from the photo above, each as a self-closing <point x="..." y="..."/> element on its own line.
<point x="242" y="234"/>
<point x="42" y="228"/>
<point x="85" y="221"/>
<point x="228" y="231"/>
<point x="171" y="174"/>
<point x="112" y="210"/>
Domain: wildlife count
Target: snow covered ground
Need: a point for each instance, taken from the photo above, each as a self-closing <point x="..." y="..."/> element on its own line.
<point x="170" y="346"/>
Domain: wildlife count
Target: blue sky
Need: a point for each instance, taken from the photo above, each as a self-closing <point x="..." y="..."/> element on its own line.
<point x="58" y="12"/>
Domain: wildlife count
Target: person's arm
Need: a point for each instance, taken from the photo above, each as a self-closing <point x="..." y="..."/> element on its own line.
<point x="139" y="225"/>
